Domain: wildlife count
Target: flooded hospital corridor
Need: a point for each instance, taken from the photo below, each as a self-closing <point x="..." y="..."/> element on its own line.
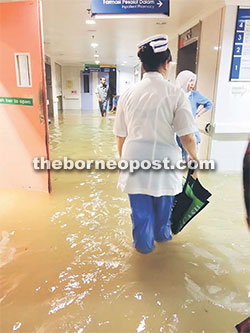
<point x="124" y="166"/>
<point x="68" y="264"/>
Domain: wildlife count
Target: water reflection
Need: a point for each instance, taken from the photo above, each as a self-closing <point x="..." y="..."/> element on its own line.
<point x="69" y="264"/>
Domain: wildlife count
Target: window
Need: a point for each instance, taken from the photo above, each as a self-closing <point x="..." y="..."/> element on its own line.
<point x="23" y="69"/>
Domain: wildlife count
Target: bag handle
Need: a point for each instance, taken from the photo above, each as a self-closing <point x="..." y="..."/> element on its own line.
<point x="190" y="173"/>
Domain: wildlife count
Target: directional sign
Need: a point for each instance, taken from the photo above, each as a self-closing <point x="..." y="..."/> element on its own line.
<point x="92" y="66"/>
<point x="129" y="7"/>
<point x="240" y="70"/>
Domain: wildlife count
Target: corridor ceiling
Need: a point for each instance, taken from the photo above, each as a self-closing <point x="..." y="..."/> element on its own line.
<point x="67" y="37"/>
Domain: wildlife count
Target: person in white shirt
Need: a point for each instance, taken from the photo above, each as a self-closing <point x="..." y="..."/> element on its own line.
<point x="149" y="115"/>
<point x="102" y="93"/>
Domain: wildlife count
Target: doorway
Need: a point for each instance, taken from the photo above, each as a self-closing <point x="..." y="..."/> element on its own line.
<point x="87" y="91"/>
<point x="58" y="84"/>
<point x="110" y="74"/>
<point x="49" y="90"/>
<point x="188" y="50"/>
<point x="90" y="78"/>
<point x="187" y="58"/>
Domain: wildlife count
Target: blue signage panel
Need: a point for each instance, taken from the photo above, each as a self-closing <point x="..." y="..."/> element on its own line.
<point x="130" y="7"/>
<point x="240" y="70"/>
<point x="236" y="68"/>
<point x="239" y="38"/>
<point x="237" y="49"/>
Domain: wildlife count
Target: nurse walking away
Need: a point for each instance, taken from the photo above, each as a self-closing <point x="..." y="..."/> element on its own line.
<point x="102" y="93"/>
<point x="148" y="116"/>
<point x="199" y="103"/>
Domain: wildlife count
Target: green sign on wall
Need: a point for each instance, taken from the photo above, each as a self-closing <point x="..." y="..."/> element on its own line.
<point x="16" y="101"/>
<point x="92" y="66"/>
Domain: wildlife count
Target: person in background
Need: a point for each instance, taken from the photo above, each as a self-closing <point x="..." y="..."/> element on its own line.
<point x="115" y="101"/>
<point x="102" y="93"/>
<point x="149" y="115"/>
<point x="246" y="181"/>
<point x="200" y="104"/>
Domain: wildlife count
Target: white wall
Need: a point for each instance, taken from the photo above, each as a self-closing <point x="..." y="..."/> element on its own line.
<point x="207" y="72"/>
<point x="58" y="79"/>
<point x="173" y="46"/>
<point x="71" y="81"/>
<point x="137" y="73"/>
<point x="232" y="110"/>
<point x="95" y="82"/>
<point x="231" y="113"/>
<point x="125" y="78"/>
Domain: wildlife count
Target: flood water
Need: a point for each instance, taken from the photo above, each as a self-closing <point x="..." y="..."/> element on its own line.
<point x="68" y="264"/>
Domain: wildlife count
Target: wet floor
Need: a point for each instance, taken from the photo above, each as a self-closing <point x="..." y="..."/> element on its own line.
<point x="68" y="264"/>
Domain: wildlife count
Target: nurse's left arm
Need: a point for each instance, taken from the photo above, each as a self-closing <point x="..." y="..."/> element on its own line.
<point x="120" y="126"/>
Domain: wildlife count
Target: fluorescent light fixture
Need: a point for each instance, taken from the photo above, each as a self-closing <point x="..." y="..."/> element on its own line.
<point x="126" y="16"/>
<point x="96" y="55"/>
<point x="94" y="45"/>
<point x="97" y="62"/>
<point x="90" y="21"/>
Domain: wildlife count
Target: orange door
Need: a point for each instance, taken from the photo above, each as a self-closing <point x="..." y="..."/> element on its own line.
<point x="23" y="109"/>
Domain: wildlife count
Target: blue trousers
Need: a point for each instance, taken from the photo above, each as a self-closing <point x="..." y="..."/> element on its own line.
<point x="151" y="220"/>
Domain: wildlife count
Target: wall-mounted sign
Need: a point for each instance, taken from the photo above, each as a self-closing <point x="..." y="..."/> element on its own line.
<point x="23" y="70"/>
<point x="97" y="68"/>
<point x="99" y="7"/>
<point x="69" y="84"/>
<point x="16" y="101"/>
<point x="91" y="70"/>
<point x="92" y="66"/>
<point x="108" y="66"/>
<point x="240" y="70"/>
<point x="190" y="36"/>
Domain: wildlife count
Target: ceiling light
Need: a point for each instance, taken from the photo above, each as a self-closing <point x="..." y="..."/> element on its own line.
<point x="90" y="21"/>
<point x="96" y="55"/>
<point x="97" y="62"/>
<point x="94" y="45"/>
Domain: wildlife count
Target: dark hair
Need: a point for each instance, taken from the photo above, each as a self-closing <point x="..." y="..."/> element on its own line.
<point x="152" y="61"/>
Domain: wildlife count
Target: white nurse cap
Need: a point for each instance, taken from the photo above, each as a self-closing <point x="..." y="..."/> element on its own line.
<point x="159" y="43"/>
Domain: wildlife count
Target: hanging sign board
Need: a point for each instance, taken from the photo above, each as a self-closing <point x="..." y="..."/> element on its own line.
<point x="98" y="68"/>
<point x="240" y="70"/>
<point x="92" y="66"/>
<point x="99" y="7"/>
